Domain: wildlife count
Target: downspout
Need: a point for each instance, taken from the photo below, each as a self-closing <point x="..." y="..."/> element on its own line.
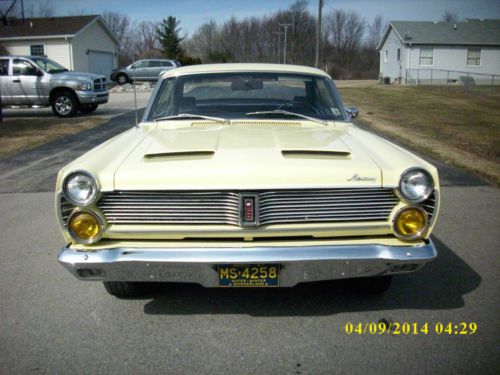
<point x="70" y="47"/>
<point x="409" y="62"/>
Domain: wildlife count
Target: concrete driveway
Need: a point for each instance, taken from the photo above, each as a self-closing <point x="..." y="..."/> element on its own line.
<point x="51" y="323"/>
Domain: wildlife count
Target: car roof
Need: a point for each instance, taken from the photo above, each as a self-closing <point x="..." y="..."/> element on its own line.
<point x="242" y="67"/>
<point x="158" y="59"/>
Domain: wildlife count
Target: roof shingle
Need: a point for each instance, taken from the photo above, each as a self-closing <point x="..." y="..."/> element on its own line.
<point x="468" y="32"/>
<point x="50" y="26"/>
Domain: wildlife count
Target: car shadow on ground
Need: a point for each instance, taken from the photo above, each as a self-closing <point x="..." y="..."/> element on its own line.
<point x="442" y="284"/>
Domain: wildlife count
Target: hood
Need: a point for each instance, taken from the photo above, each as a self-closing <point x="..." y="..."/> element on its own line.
<point x="248" y="156"/>
<point x="77" y="76"/>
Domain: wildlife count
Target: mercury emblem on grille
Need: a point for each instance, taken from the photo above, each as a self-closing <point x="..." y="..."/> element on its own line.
<point x="249" y="209"/>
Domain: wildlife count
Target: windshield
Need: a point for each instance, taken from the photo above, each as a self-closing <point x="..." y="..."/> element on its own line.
<point x="49" y="65"/>
<point x="245" y="95"/>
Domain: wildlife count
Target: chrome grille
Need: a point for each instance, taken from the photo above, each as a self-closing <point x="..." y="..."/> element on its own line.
<point x="222" y="207"/>
<point x="100" y="84"/>
<point x="66" y="208"/>
<point x="149" y="207"/>
<point x="299" y="206"/>
<point x="429" y="205"/>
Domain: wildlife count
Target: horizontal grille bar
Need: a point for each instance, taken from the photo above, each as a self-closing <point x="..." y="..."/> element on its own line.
<point x="65" y="208"/>
<point x="429" y="205"/>
<point x="223" y="207"/>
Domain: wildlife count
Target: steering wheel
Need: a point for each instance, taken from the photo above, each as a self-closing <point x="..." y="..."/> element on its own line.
<point x="296" y="103"/>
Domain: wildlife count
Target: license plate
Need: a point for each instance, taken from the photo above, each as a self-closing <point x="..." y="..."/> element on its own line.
<point x="248" y="275"/>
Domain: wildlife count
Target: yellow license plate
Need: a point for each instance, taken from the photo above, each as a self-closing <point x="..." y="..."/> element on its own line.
<point x="248" y="275"/>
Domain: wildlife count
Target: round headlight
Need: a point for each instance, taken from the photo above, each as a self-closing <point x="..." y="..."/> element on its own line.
<point x="410" y="223"/>
<point x="85" y="226"/>
<point x="80" y="188"/>
<point x="415" y="185"/>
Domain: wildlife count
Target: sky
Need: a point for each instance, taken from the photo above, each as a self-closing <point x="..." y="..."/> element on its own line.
<point x="192" y="13"/>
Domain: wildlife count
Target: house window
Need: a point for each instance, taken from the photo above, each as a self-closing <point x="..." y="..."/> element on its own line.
<point x="399" y="54"/>
<point x="37" y="50"/>
<point x="474" y="57"/>
<point x="386" y="55"/>
<point x="426" y="56"/>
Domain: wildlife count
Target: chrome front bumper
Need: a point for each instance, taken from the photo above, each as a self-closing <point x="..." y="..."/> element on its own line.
<point x="198" y="265"/>
<point x="92" y="97"/>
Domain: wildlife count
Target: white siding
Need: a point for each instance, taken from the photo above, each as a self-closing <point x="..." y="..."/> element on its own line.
<point x="55" y="49"/>
<point x="454" y="59"/>
<point x="93" y="38"/>
<point x="392" y="67"/>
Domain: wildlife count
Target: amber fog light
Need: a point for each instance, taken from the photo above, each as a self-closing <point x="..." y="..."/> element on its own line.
<point x="410" y="223"/>
<point x="84" y="227"/>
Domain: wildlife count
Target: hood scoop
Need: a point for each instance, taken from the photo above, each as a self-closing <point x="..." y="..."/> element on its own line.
<point x="314" y="153"/>
<point x="177" y="154"/>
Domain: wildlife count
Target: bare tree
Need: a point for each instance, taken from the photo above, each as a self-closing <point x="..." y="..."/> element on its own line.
<point x="145" y="37"/>
<point x="450" y="16"/>
<point x="204" y="40"/>
<point x="375" y="30"/>
<point x="8" y="8"/>
<point x="121" y="26"/>
<point x="255" y="39"/>
<point x="40" y="8"/>
<point x="344" y="32"/>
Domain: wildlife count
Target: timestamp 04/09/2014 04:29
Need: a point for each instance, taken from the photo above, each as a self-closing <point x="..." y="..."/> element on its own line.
<point x="410" y="328"/>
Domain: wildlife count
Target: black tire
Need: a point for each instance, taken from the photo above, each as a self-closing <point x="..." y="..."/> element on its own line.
<point x="373" y="285"/>
<point x="65" y="104"/>
<point x="124" y="289"/>
<point x="122" y="79"/>
<point x="88" y="108"/>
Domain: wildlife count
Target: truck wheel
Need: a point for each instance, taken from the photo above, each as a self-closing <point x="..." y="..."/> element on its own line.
<point x="122" y="79"/>
<point x="88" y="108"/>
<point x="64" y="104"/>
<point x="123" y="289"/>
<point x="373" y="285"/>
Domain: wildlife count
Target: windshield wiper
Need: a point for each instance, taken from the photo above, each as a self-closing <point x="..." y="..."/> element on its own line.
<point x="288" y="113"/>
<point x="189" y="115"/>
<point x="55" y="71"/>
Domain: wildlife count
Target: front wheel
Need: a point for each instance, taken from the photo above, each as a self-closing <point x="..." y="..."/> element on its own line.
<point x="124" y="289"/>
<point x="122" y="79"/>
<point x="88" y="108"/>
<point x="65" y="104"/>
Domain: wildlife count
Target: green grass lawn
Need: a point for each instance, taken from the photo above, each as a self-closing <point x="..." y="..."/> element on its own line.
<point x="452" y="124"/>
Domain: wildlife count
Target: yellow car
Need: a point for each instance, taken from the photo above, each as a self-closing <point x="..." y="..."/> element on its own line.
<point x="245" y="175"/>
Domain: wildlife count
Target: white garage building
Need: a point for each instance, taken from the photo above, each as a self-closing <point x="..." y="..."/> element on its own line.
<point x="80" y="43"/>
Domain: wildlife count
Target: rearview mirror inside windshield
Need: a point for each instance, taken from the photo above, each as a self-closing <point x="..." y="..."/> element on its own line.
<point x="240" y="84"/>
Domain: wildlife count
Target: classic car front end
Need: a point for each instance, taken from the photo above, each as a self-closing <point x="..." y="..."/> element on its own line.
<point x="245" y="175"/>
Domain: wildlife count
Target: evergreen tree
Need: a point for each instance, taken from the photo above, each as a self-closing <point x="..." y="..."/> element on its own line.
<point x="168" y="35"/>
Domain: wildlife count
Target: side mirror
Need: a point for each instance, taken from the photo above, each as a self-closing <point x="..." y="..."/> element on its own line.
<point x="352" y="111"/>
<point x="39" y="73"/>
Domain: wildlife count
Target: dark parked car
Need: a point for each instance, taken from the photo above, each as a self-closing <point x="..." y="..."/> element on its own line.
<point x="143" y="70"/>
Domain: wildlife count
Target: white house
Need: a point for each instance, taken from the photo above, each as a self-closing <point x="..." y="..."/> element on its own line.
<point x="441" y="52"/>
<point x="80" y="43"/>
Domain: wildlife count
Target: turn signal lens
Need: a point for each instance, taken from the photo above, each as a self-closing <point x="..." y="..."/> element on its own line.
<point x="84" y="227"/>
<point x="410" y="223"/>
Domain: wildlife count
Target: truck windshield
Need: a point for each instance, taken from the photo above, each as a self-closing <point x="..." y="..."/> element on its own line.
<point x="246" y="95"/>
<point x="48" y="65"/>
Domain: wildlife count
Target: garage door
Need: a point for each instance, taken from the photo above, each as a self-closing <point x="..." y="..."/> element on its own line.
<point x="101" y="63"/>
